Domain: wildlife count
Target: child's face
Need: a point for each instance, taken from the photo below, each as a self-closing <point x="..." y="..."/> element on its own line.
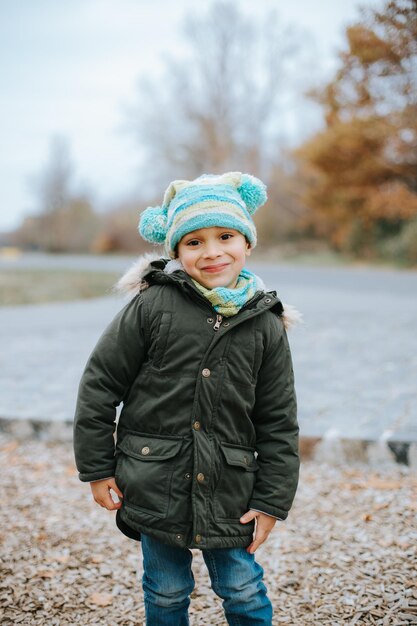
<point x="214" y="256"/>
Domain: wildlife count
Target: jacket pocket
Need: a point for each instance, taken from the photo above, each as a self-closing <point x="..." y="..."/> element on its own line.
<point x="236" y="482"/>
<point x="144" y="469"/>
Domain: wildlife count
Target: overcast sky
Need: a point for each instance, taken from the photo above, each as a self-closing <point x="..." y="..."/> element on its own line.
<point x="70" y="67"/>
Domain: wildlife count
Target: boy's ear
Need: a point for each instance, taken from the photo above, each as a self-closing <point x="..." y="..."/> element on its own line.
<point x="248" y="249"/>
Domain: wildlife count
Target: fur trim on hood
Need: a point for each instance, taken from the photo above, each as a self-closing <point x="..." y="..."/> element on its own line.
<point x="132" y="283"/>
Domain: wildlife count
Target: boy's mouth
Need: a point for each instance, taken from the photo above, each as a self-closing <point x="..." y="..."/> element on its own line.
<point x="214" y="268"/>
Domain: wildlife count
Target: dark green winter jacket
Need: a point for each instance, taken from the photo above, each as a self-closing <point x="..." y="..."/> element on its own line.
<point x="208" y="427"/>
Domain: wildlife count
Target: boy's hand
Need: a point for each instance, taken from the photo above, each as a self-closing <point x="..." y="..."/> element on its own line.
<point x="264" y="525"/>
<point x="101" y="493"/>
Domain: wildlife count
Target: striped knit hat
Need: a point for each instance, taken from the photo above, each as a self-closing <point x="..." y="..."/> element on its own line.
<point x="227" y="200"/>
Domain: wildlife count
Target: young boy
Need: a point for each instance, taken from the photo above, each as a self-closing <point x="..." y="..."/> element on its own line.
<point x="207" y="439"/>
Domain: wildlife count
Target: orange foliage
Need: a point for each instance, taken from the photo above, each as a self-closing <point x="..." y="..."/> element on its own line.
<point x="361" y="167"/>
<point x="392" y="200"/>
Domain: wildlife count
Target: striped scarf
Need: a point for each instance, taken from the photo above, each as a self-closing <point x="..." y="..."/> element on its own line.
<point x="228" y="302"/>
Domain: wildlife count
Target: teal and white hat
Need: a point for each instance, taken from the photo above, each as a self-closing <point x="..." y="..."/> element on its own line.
<point x="227" y="200"/>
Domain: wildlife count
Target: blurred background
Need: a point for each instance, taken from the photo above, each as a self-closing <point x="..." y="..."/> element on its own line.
<point x="104" y="103"/>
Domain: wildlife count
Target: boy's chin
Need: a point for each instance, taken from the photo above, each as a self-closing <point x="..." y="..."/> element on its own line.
<point x="211" y="284"/>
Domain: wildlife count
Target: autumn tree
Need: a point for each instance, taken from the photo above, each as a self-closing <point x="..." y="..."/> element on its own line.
<point x="360" y="171"/>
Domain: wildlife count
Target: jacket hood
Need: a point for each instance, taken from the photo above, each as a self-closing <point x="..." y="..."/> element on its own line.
<point x="134" y="282"/>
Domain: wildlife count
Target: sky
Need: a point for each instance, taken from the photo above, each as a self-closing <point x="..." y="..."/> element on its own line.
<point x="71" y="68"/>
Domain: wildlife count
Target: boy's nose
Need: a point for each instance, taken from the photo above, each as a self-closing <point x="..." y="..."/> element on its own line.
<point x="212" y="250"/>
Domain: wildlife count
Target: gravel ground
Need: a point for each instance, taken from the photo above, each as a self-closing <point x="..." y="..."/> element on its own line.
<point x="346" y="555"/>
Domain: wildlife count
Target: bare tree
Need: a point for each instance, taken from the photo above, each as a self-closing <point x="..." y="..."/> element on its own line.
<point x="53" y="189"/>
<point x="54" y="183"/>
<point x="65" y="219"/>
<point x="219" y="108"/>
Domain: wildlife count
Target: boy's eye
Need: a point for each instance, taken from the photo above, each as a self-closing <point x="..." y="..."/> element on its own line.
<point x="195" y="242"/>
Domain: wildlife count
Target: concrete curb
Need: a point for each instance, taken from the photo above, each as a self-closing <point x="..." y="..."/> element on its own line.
<point x="23" y="429"/>
<point x="330" y="448"/>
<point x="338" y="450"/>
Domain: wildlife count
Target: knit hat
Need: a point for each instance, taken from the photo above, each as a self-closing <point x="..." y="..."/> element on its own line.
<point x="227" y="200"/>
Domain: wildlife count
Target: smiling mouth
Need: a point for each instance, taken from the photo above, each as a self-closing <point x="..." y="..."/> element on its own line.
<point x="215" y="268"/>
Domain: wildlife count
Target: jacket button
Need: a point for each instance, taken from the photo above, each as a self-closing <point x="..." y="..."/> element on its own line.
<point x="206" y="372"/>
<point x="145" y="450"/>
<point x="226" y="324"/>
<point x="197" y="538"/>
<point x="267" y="300"/>
<point x="196" y="425"/>
<point x="178" y="537"/>
<point x="210" y="320"/>
<point x="187" y="475"/>
<point x="246" y="459"/>
<point x="200" y="477"/>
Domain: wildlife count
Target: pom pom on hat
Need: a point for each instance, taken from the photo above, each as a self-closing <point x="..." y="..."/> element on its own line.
<point x="253" y="192"/>
<point x="153" y="224"/>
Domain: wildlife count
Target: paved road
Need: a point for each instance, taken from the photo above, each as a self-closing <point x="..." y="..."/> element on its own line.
<point x="355" y="356"/>
<point x="86" y="262"/>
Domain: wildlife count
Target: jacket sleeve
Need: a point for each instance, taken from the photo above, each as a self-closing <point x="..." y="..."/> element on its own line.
<point x="275" y="421"/>
<point x="108" y="375"/>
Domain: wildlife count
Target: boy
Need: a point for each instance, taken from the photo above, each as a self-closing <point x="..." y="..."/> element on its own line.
<point x="207" y="440"/>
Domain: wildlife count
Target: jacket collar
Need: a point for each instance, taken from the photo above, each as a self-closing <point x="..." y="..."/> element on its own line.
<point x="150" y="269"/>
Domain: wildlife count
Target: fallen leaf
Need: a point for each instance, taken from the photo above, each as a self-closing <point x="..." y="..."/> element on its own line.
<point x="302" y="549"/>
<point x="97" y="558"/>
<point x="71" y="470"/>
<point x="380" y="505"/>
<point x="353" y="473"/>
<point x="352" y="486"/>
<point x="379" y="483"/>
<point x="63" y="558"/>
<point x="46" y="573"/>
<point x="101" y="599"/>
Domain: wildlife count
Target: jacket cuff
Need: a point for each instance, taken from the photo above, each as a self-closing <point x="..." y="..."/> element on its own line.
<point x="269" y="514"/>
<point x="274" y="511"/>
<point x="97" y="479"/>
<point x="92" y="476"/>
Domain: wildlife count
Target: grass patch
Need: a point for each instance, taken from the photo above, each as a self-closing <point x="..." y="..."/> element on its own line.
<point x="20" y="286"/>
<point x="317" y="254"/>
<point x="302" y="253"/>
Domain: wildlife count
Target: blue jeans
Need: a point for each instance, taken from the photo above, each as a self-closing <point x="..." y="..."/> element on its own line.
<point x="235" y="577"/>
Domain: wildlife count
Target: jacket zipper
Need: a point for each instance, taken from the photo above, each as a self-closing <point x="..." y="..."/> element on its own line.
<point x="219" y="319"/>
